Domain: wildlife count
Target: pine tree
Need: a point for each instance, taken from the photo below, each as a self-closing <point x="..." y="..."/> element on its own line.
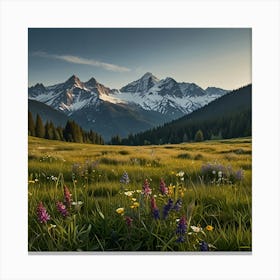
<point x="48" y="133"/>
<point x="31" y="124"/>
<point x="39" y="128"/>
<point x="198" y="136"/>
<point x="185" y="137"/>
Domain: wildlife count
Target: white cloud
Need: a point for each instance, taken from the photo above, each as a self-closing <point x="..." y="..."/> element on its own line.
<point x="84" y="61"/>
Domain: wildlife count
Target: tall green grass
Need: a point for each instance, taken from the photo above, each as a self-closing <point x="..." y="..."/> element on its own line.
<point x="96" y="226"/>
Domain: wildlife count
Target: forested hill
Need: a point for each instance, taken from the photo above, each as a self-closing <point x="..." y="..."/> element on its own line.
<point x="226" y="117"/>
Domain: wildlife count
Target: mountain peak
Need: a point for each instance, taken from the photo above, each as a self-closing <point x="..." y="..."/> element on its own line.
<point x="149" y="75"/>
<point x="73" y="78"/>
<point x="39" y="86"/>
<point x="147" y="81"/>
<point x="74" y="81"/>
<point x="91" y="82"/>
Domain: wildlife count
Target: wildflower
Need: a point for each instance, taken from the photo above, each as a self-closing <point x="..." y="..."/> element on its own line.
<point x="146" y="190"/>
<point x="134" y="205"/>
<point x="61" y="208"/>
<point x="77" y="203"/>
<point x="209" y="228"/>
<point x="162" y="187"/>
<point x="51" y="226"/>
<point x="239" y="174"/>
<point x="180" y="239"/>
<point x="67" y="196"/>
<point x="167" y="208"/>
<point x="120" y="210"/>
<point x="155" y="211"/>
<point x="170" y="190"/>
<point x="128" y="221"/>
<point x="196" y="229"/>
<point x="129" y="193"/>
<point x="180" y="174"/>
<point x="204" y="246"/>
<point x="53" y="178"/>
<point x="220" y="174"/>
<point x="133" y="199"/>
<point x="181" y="229"/>
<point x="178" y="205"/>
<point x="181" y="192"/>
<point x="42" y="213"/>
<point x="153" y="202"/>
<point x="124" y="179"/>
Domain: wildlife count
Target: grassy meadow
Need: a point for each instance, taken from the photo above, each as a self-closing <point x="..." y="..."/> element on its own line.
<point x="203" y="202"/>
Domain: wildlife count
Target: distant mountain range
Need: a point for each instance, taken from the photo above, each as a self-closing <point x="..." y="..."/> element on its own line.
<point x="226" y="117"/>
<point x="138" y="106"/>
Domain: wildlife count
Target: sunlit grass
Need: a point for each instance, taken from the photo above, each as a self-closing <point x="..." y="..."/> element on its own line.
<point x="95" y="225"/>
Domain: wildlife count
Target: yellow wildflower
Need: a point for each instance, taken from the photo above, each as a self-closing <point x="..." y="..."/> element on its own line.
<point x="170" y="190"/>
<point x="120" y="210"/>
<point x="134" y="205"/>
<point x="209" y="228"/>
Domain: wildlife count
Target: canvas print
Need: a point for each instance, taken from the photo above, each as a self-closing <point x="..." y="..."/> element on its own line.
<point x="139" y="140"/>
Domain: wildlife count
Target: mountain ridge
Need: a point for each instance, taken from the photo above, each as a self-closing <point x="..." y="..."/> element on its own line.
<point x="164" y="99"/>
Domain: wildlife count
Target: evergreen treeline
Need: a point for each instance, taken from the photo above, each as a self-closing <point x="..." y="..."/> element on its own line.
<point x="224" y="118"/>
<point x="233" y="126"/>
<point x="72" y="132"/>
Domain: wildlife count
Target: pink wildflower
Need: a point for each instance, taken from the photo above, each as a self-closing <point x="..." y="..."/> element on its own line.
<point x="146" y="190"/>
<point x="42" y="213"/>
<point x="67" y="196"/>
<point x="162" y="187"/>
<point x="61" y="208"/>
<point x="128" y="221"/>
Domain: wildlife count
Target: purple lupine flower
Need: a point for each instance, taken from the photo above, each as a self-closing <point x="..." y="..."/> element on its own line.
<point x="146" y="190"/>
<point x="162" y="187"/>
<point x="155" y="211"/>
<point x="61" y="208"/>
<point x="239" y="175"/>
<point x="167" y="208"/>
<point x="67" y="196"/>
<point x="180" y="239"/>
<point x="42" y="213"/>
<point x="178" y="205"/>
<point x="128" y="221"/>
<point x="182" y="227"/>
<point x="124" y="179"/>
<point x="204" y="246"/>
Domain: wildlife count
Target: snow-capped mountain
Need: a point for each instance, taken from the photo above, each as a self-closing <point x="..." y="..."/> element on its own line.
<point x="166" y="96"/>
<point x="146" y="102"/>
<point x="141" y="85"/>
<point x="71" y="95"/>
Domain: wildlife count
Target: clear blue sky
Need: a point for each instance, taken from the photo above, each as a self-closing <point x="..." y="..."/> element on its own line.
<point x="116" y="56"/>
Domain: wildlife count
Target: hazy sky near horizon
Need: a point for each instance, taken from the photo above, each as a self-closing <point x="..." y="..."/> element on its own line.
<point x="218" y="57"/>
